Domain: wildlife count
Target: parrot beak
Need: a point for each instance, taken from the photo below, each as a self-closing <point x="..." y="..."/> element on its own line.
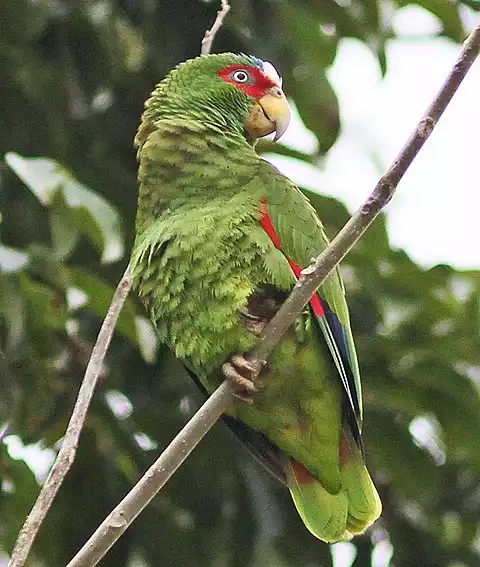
<point x="271" y="113"/>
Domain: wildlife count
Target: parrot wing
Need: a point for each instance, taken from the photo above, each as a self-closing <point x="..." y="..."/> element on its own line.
<point x="294" y="228"/>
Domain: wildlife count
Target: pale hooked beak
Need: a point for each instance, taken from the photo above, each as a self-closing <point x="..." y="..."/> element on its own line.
<point x="271" y="113"/>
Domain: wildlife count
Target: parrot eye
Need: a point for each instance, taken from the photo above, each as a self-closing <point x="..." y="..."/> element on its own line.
<point x="240" y="76"/>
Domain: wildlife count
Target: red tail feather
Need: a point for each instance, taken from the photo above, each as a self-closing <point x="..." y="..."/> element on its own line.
<point x="302" y="475"/>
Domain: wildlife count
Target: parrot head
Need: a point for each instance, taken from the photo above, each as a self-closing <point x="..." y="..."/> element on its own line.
<point x="262" y="84"/>
<point x="238" y="92"/>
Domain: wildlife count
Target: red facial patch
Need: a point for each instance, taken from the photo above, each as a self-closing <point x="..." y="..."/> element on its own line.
<point x="257" y="83"/>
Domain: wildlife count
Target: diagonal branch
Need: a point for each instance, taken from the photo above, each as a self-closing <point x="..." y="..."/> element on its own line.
<point x="178" y="450"/>
<point x="368" y="212"/>
<point x="154" y="479"/>
<point x="67" y="452"/>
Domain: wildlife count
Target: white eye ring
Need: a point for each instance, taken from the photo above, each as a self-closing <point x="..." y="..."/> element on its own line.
<point x="240" y="76"/>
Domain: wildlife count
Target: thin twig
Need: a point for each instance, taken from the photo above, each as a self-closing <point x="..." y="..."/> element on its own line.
<point x="68" y="449"/>
<point x="212" y="32"/>
<point x="158" y="474"/>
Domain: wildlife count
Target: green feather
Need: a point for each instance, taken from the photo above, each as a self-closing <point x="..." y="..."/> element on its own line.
<point x="303" y="238"/>
<point x="338" y="516"/>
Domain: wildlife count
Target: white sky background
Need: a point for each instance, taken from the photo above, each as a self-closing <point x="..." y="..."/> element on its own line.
<point x="434" y="214"/>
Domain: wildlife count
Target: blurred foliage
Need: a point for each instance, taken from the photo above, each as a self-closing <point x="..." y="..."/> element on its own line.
<point x="75" y="75"/>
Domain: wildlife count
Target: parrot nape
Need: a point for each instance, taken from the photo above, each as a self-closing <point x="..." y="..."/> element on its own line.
<point x="221" y="238"/>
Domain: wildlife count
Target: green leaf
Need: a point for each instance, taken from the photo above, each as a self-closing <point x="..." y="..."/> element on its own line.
<point x="45" y="310"/>
<point x="409" y="468"/>
<point x="16" y="501"/>
<point x="12" y="311"/>
<point x="44" y="264"/>
<point x="65" y="234"/>
<point x="474" y="4"/>
<point x="446" y="11"/>
<point x="92" y="215"/>
<point x="317" y="104"/>
<point x="303" y="27"/>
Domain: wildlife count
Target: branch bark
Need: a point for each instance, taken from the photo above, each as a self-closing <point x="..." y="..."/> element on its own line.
<point x="154" y="479"/>
<point x="68" y="450"/>
<point x="212" y="32"/>
<point x="178" y="450"/>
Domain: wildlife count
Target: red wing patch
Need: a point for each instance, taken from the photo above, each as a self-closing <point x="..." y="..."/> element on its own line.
<point x="268" y="227"/>
<point x="333" y="332"/>
<point x="258" y="85"/>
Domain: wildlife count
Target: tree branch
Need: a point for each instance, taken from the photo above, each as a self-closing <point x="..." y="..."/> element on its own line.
<point x="67" y="452"/>
<point x="154" y="479"/>
<point x="212" y="32"/>
<point x="188" y="438"/>
<point x="349" y="235"/>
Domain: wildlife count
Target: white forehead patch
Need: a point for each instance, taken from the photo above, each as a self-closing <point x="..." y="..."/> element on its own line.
<point x="270" y="71"/>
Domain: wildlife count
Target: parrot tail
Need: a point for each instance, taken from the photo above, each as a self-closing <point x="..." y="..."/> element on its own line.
<point x="335" y="517"/>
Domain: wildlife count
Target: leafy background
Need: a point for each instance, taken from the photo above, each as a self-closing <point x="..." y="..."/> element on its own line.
<point x="75" y="75"/>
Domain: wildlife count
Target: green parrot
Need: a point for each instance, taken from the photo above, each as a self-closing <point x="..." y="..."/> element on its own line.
<point x="221" y="238"/>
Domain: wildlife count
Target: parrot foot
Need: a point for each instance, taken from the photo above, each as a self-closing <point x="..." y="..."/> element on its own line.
<point x="243" y="374"/>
